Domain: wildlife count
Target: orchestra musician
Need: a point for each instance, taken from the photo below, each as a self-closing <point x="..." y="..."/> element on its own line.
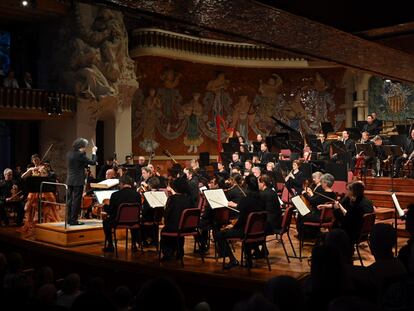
<point x="193" y="185"/>
<point x="364" y="138"/>
<point x="109" y="163"/>
<point x="77" y="161"/>
<point x="248" y="165"/>
<point x="380" y="156"/>
<point x="140" y="165"/>
<point x="176" y="204"/>
<point x="222" y="171"/>
<point x="264" y="155"/>
<point x="10" y="196"/>
<point x="316" y="182"/>
<point x="129" y="167"/>
<point x="295" y="179"/>
<point x="235" y="161"/>
<point x="324" y="155"/>
<point x="271" y="201"/>
<point x="150" y="215"/>
<point x="350" y="211"/>
<point x="126" y="194"/>
<point x="371" y="127"/>
<point x="376" y="121"/>
<point x="407" y="157"/>
<point x="251" y="203"/>
<point x="33" y="168"/>
<point x="350" y="148"/>
<point x="233" y="191"/>
<point x="322" y="197"/>
<point x="256" y="171"/>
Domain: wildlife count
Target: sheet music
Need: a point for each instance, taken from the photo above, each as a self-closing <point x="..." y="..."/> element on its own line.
<point x="156" y="198"/>
<point x="397" y="205"/>
<point x="280" y="201"/>
<point x="300" y="205"/>
<point x="105" y="184"/>
<point x="104" y="194"/>
<point x="216" y="198"/>
<point x="202" y="189"/>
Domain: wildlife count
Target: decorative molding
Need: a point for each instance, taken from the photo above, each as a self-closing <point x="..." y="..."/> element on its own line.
<point x="158" y="42"/>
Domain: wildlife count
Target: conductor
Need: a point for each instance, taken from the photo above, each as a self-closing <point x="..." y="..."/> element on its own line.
<point x="77" y="162"/>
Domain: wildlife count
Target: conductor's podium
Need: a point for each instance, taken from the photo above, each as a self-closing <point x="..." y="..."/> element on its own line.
<point x="88" y="233"/>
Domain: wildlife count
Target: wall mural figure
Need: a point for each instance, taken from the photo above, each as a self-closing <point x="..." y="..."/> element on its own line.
<point x="150" y="116"/>
<point x="217" y="108"/>
<point x="171" y="100"/>
<point x="242" y="116"/>
<point x="193" y="111"/>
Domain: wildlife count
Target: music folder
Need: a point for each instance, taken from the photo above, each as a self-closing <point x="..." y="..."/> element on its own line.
<point x="105" y="184"/>
<point x="103" y="195"/>
<point x="397" y="205"/>
<point x="217" y="199"/>
<point x="156" y="198"/>
<point x="300" y="205"/>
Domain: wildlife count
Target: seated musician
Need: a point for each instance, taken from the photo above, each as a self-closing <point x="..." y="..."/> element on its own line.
<point x="108" y="165"/>
<point x="256" y="171"/>
<point x="248" y="165"/>
<point x="127" y="194"/>
<point x="234" y="192"/>
<point x="129" y="167"/>
<point x="207" y="220"/>
<point x="235" y="161"/>
<point x="193" y="185"/>
<point x="264" y="155"/>
<point x="151" y="215"/>
<point x="251" y="203"/>
<point x="295" y="179"/>
<point x="176" y="204"/>
<point x="376" y="121"/>
<point x="271" y="201"/>
<point x="243" y="152"/>
<point x="94" y="210"/>
<point x="222" y="171"/>
<point x="10" y="196"/>
<point x="407" y="157"/>
<point x="380" y="157"/>
<point x="322" y="197"/>
<point x="364" y="138"/>
<point x="371" y="127"/>
<point x="154" y="172"/>
<point x="350" y="211"/>
<point x="33" y="167"/>
<point x="316" y="185"/>
<point x="324" y="155"/>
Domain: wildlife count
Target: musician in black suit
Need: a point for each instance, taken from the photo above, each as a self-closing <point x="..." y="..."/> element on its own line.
<point x="249" y="204"/>
<point x="235" y="161"/>
<point x="376" y="121"/>
<point x="264" y="155"/>
<point x="379" y="157"/>
<point x="408" y="155"/>
<point x="9" y="197"/>
<point x="176" y="204"/>
<point x="127" y="194"/>
<point x="272" y="205"/>
<point x="295" y="179"/>
<point x="371" y="127"/>
<point x="350" y="148"/>
<point x="77" y="161"/>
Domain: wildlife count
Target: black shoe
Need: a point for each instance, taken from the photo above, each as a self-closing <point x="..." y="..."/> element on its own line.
<point x="108" y="249"/>
<point x="231" y="264"/>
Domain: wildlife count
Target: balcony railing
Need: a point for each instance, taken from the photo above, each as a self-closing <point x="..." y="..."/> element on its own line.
<point x="38" y="100"/>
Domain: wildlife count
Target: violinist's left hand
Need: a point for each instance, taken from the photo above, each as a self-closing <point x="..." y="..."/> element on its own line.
<point x="232" y="204"/>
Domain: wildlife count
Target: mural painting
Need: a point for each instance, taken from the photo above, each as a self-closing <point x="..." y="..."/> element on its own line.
<point x="185" y="107"/>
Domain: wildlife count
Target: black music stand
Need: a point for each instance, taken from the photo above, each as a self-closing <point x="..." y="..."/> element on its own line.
<point x="225" y="158"/>
<point x="338" y="148"/>
<point x="228" y="148"/>
<point x="392" y="152"/>
<point x="327" y="128"/>
<point x="368" y="151"/>
<point x="354" y="133"/>
<point x="256" y="146"/>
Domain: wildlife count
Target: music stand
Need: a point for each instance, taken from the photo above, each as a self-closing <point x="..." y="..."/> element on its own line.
<point x="360" y="125"/>
<point x="285" y="166"/>
<point x="366" y="149"/>
<point x="256" y="146"/>
<point x="315" y="145"/>
<point x="338" y="147"/>
<point x="327" y="128"/>
<point x="354" y="133"/>
<point x="392" y="152"/>
<point x="228" y="148"/>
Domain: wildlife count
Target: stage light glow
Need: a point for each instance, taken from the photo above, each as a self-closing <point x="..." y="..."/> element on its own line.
<point x="25" y="3"/>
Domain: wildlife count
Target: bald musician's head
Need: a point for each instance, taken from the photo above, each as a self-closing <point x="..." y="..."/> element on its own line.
<point x="365" y="136"/>
<point x="141" y="160"/>
<point x="109" y="174"/>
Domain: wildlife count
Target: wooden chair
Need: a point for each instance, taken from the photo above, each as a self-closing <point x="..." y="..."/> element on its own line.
<point x="369" y="221"/>
<point x="285" y="226"/>
<point x="254" y="233"/>
<point x="128" y="217"/>
<point x="188" y="226"/>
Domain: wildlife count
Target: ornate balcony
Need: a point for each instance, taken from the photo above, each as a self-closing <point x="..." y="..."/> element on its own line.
<point x="35" y="104"/>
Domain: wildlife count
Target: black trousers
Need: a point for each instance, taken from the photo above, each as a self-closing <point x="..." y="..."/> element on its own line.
<point x="170" y="247"/>
<point x="74" y="203"/>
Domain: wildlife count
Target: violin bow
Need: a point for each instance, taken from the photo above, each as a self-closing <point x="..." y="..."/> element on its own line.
<point x="47" y="151"/>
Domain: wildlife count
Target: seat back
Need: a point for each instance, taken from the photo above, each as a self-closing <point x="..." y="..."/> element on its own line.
<point x="201" y="202"/>
<point x="367" y="224"/>
<point x="128" y="214"/>
<point x="255" y="226"/>
<point x="339" y="187"/>
<point x="221" y="216"/>
<point x="189" y="220"/>
<point x="287" y="219"/>
<point x="285" y="195"/>
<point x="285" y="153"/>
<point x="326" y="215"/>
